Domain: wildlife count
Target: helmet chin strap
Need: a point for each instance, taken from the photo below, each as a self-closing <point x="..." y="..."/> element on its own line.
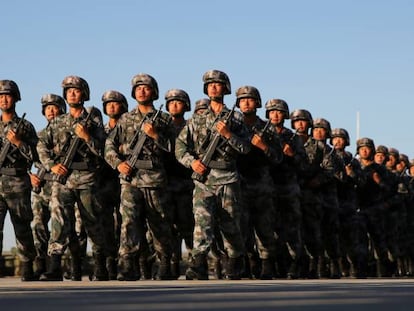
<point x="146" y="102"/>
<point x="218" y="99"/>
<point x="76" y="105"/>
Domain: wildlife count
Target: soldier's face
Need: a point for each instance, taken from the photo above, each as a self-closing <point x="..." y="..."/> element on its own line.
<point x="51" y="111"/>
<point x="301" y="126"/>
<point x="364" y="152"/>
<point x="276" y="117"/>
<point x="379" y="158"/>
<point x="113" y="109"/>
<point x="6" y="102"/>
<point x="176" y="107"/>
<point x="215" y="89"/>
<point x="73" y="95"/>
<point x="338" y="143"/>
<point x="319" y="133"/>
<point x="143" y="93"/>
<point x="247" y="105"/>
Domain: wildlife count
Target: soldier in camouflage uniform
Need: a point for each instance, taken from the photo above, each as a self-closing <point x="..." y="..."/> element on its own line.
<point x="217" y="190"/>
<point x="350" y="229"/>
<point x="114" y="104"/>
<point x="333" y="168"/>
<point x="143" y="196"/>
<point x="15" y="184"/>
<point x="371" y="204"/>
<point x="52" y="106"/>
<point x="201" y="105"/>
<point x="75" y="181"/>
<point x="286" y="194"/>
<point x="317" y="174"/>
<point x="257" y="185"/>
<point x="180" y="185"/>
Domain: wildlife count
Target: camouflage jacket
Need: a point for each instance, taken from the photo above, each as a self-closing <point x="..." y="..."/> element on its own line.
<point x="58" y="137"/>
<point x="254" y="167"/>
<point x="121" y="142"/>
<point x="194" y="138"/>
<point x="19" y="160"/>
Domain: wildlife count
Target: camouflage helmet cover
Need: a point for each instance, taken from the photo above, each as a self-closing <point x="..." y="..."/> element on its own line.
<point x="404" y="158"/>
<point x="301" y="114"/>
<point x="178" y="94"/>
<point x="53" y="99"/>
<point x="114" y="96"/>
<point x="248" y="91"/>
<point x="76" y="82"/>
<point x="394" y="152"/>
<point x="382" y="149"/>
<point x="217" y="76"/>
<point x="202" y="103"/>
<point x="145" y="79"/>
<point x="10" y="87"/>
<point x="365" y="142"/>
<point x="322" y="123"/>
<point x="340" y="132"/>
<point x="279" y="105"/>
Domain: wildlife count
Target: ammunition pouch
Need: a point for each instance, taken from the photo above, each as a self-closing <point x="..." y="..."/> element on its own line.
<point x="144" y="164"/>
<point x="82" y="166"/>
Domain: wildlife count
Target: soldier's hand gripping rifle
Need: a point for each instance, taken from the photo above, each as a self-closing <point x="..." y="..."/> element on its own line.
<point x="140" y="138"/>
<point x="5" y="149"/>
<point x="41" y="172"/>
<point x="211" y="148"/>
<point x="71" y="152"/>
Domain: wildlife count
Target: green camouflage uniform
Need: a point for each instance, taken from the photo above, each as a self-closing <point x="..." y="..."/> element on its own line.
<point x="15" y="187"/>
<point x="80" y="186"/>
<point x="143" y="199"/>
<point x="217" y="200"/>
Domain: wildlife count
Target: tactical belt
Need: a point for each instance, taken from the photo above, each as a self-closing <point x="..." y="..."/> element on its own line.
<point x="12" y="171"/>
<point x="221" y="165"/>
<point x="80" y="166"/>
<point x="144" y="164"/>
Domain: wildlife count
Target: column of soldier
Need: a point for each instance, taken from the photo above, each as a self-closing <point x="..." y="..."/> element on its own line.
<point x="247" y="197"/>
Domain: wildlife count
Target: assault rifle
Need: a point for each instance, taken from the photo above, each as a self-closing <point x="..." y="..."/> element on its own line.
<point x="212" y="147"/>
<point x="263" y="131"/>
<point x="139" y="139"/>
<point x="4" y="153"/>
<point x="71" y="152"/>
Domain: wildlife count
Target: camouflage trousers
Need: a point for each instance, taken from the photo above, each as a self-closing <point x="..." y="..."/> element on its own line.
<point x="330" y="224"/>
<point x="15" y="198"/>
<point x="182" y="219"/>
<point x="63" y="219"/>
<point x="288" y="218"/>
<point x="143" y="208"/>
<point x="217" y="206"/>
<point x="257" y="222"/>
<point x="41" y="218"/>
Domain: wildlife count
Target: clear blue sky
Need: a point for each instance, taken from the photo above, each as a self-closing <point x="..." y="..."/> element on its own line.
<point x="334" y="58"/>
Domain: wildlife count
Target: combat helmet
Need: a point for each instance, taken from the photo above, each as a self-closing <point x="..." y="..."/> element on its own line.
<point x="322" y="123"/>
<point x="365" y="142"/>
<point x="202" y="103"/>
<point x="217" y="76"/>
<point x="10" y="87"/>
<point x="178" y="94"/>
<point x="248" y="91"/>
<point x="76" y="82"/>
<point x="340" y="132"/>
<point x="301" y="114"/>
<point x="145" y="79"/>
<point x="53" y="99"/>
<point x="279" y="105"/>
<point x="114" y="96"/>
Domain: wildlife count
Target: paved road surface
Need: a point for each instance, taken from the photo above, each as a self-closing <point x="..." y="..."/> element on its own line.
<point x="332" y="295"/>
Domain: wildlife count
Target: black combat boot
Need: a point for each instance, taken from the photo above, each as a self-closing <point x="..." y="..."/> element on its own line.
<point x="313" y="268"/>
<point x="145" y="267"/>
<point x="27" y="272"/>
<point x="198" y="269"/>
<point x="335" y="272"/>
<point x="254" y="265"/>
<point x="111" y="267"/>
<point x="267" y="272"/>
<point x="40" y="263"/>
<point x="126" y="269"/>
<point x="54" y="272"/>
<point x="164" y="269"/>
<point x="76" y="268"/>
<point x="293" y="270"/>
<point x="99" y="272"/>
<point x="175" y="270"/>
<point x="234" y="266"/>
<point x="2" y="267"/>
